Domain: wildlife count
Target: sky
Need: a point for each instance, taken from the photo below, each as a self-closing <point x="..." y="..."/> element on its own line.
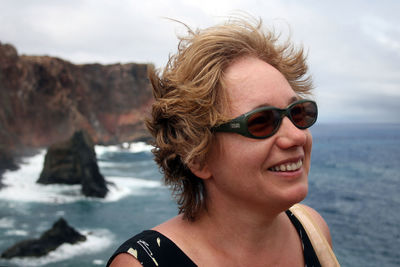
<point x="353" y="46"/>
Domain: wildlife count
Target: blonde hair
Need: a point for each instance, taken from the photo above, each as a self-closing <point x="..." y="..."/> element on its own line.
<point x="190" y="97"/>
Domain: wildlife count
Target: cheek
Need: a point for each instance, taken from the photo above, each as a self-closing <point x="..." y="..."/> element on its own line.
<point x="309" y="141"/>
<point x="307" y="150"/>
<point x="231" y="155"/>
<point x="223" y="154"/>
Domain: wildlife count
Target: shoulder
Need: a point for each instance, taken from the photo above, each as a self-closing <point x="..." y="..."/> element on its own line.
<point x="131" y="252"/>
<point x="320" y="222"/>
<point x="125" y="259"/>
<point x="149" y="248"/>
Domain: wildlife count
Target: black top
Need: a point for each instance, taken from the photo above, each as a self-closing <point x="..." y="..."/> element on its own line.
<point x="152" y="248"/>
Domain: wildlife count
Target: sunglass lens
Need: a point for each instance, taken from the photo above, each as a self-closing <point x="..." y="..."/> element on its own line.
<point x="304" y="114"/>
<point x="263" y="123"/>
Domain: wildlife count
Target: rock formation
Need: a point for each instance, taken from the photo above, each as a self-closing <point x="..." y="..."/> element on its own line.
<point x="59" y="234"/>
<point x="74" y="162"/>
<point x="44" y="100"/>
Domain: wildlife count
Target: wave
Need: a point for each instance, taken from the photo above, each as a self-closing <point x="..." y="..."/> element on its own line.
<point x="16" y="232"/>
<point x="122" y="187"/>
<point x="97" y="240"/>
<point x="20" y="185"/>
<point x="125" y="147"/>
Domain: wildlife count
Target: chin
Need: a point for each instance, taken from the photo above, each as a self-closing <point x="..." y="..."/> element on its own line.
<point x="301" y="194"/>
<point x="296" y="195"/>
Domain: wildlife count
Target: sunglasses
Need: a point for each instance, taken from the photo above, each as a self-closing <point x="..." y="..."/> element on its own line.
<point x="264" y="122"/>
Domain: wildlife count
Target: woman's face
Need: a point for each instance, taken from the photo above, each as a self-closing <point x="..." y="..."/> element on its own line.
<point x="246" y="171"/>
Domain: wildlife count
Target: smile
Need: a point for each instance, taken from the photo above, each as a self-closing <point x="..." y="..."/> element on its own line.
<point x="294" y="166"/>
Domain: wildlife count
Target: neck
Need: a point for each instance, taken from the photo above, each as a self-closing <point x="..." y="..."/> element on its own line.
<point x="235" y="232"/>
<point x="246" y="227"/>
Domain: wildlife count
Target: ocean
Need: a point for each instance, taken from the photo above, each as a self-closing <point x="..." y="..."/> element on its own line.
<point x="354" y="184"/>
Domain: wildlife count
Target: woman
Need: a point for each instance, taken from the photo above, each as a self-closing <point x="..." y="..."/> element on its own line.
<point x="230" y="123"/>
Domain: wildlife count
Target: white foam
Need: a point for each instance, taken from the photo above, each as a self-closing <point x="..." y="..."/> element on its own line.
<point x="97" y="240"/>
<point x="129" y="147"/>
<point x="16" y="232"/>
<point x="25" y="189"/>
<point x="29" y="167"/>
<point x="107" y="164"/>
<point x="30" y="191"/>
<point x="98" y="262"/>
<point x="128" y="186"/>
<point x="140" y="147"/>
<point x="104" y="149"/>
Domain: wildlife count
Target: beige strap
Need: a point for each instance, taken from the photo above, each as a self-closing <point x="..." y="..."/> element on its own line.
<point x="321" y="246"/>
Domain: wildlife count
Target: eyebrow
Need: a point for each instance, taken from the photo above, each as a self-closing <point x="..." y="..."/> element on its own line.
<point x="291" y="100"/>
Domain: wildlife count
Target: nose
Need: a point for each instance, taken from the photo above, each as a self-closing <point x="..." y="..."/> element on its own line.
<point x="289" y="135"/>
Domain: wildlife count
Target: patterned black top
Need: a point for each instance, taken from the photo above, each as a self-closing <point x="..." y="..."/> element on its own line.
<point x="151" y="248"/>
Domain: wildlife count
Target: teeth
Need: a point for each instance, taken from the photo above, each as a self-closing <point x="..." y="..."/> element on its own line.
<point x="288" y="166"/>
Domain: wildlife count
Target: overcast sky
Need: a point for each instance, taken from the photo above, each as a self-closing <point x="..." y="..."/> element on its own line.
<point x="354" y="46"/>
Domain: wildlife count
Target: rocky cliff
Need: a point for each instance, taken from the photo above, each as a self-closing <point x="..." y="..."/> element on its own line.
<point x="44" y="100"/>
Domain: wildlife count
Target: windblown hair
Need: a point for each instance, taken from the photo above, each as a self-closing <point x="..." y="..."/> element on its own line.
<point x="190" y="98"/>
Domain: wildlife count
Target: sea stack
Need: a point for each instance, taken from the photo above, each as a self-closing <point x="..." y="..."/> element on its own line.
<point x="50" y="240"/>
<point x="74" y="162"/>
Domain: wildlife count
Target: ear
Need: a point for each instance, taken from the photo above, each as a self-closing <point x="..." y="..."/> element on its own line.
<point x="200" y="170"/>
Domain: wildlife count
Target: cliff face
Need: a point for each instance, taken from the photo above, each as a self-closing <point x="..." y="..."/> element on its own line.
<point x="44" y="100"/>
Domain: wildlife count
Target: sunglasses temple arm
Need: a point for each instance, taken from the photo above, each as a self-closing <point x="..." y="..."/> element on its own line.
<point x="233" y="126"/>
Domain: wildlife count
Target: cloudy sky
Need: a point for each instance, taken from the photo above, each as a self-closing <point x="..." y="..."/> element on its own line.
<point x="354" y="46"/>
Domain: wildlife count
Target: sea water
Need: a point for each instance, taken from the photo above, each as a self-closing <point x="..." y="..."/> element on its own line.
<point x="354" y="183"/>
